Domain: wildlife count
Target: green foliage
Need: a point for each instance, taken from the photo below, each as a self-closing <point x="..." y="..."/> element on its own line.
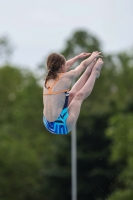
<point x="92" y="144"/>
<point x="112" y="94"/>
<point x="19" y="167"/>
<point x="120" y="131"/>
<point x="20" y="163"/>
<point x="29" y="155"/>
<point x="35" y="164"/>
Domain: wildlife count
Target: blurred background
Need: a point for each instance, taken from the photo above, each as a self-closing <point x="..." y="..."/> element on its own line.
<point x="34" y="164"/>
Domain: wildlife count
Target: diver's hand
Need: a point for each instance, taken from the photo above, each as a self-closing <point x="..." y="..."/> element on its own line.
<point x="96" y="55"/>
<point x="83" y="55"/>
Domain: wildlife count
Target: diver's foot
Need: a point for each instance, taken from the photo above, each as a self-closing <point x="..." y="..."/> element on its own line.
<point x="98" y="67"/>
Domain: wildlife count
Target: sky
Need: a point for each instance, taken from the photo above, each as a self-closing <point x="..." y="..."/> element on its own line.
<point x="37" y="27"/>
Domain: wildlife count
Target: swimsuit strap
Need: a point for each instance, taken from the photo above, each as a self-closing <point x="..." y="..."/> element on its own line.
<point x="50" y="88"/>
<point x="56" y="80"/>
<point x="51" y="92"/>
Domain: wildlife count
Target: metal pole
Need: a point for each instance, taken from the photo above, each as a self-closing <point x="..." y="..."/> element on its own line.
<point x="74" y="164"/>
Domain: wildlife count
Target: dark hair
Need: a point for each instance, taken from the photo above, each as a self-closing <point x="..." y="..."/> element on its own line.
<point x="54" y="63"/>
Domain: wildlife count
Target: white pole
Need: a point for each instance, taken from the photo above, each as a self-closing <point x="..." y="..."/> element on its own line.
<point x="74" y="164"/>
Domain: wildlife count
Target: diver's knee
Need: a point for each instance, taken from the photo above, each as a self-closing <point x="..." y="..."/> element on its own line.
<point x="79" y="95"/>
<point x="72" y="94"/>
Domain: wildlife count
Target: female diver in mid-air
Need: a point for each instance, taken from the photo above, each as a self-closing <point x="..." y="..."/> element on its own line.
<point x="61" y="105"/>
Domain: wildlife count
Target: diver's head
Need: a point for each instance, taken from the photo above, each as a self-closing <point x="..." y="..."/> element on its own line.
<point x="56" y="62"/>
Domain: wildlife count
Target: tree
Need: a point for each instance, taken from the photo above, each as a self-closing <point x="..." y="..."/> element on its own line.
<point x="93" y="145"/>
<point x="20" y="163"/>
<point x="36" y="164"/>
<point x="6" y="49"/>
<point x="24" y="143"/>
<point x="120" y="131"/>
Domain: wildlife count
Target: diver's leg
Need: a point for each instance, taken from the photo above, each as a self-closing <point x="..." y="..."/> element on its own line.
<point x="80" y="82"/>
<point x="75" y="105"/>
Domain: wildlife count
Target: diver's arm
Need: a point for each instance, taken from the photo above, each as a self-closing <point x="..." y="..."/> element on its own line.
<point x="71" y="61"/>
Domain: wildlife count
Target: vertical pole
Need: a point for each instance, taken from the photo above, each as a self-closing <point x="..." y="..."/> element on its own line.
<point x="74" y="164"/>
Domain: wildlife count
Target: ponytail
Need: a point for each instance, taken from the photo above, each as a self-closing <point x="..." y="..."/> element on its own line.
<point x="51" y="75"/>
<point x="54" y="64"/>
